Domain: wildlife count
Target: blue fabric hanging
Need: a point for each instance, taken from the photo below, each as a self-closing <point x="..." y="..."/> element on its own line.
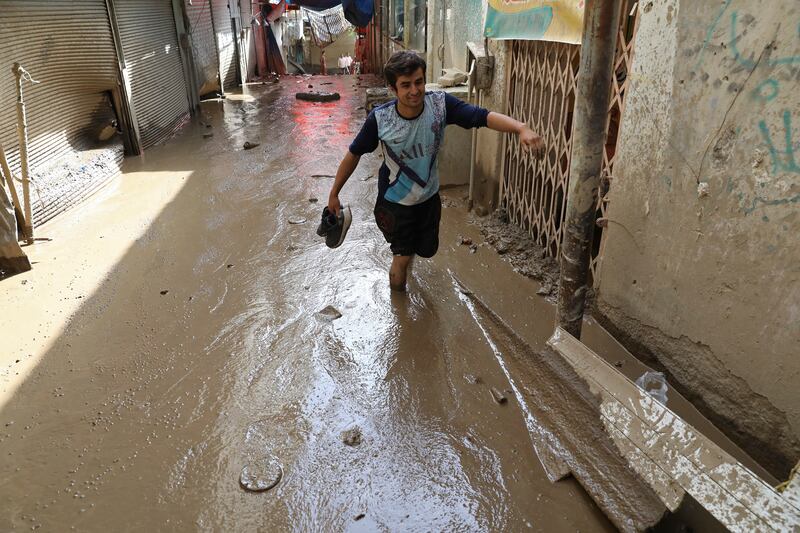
<point x="358" y="12"/>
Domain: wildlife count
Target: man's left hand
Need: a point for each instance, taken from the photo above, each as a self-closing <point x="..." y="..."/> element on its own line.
<point x="531" y="140"/>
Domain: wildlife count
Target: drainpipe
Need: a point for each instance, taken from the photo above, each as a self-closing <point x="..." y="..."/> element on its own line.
<point x="598" y="47"/>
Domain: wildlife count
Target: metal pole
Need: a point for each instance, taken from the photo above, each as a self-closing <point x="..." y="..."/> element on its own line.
<point x="22" y="131"/>
<point x="600" y="24"/>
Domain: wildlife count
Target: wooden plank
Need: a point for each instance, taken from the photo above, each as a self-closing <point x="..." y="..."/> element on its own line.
<point x="731" y="492"/>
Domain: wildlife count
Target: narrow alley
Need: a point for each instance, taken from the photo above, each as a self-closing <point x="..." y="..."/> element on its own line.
<point x="201" y="347"/>
<point x="586" y="320"/>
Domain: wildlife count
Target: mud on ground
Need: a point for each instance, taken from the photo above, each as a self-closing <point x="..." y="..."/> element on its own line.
<point x="520" y="249"/>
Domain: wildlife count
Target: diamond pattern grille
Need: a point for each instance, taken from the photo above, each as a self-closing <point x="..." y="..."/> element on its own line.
<point x="541" y="93"/>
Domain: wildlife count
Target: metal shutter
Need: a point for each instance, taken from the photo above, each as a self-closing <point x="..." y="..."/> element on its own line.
<point x="204" y="45"/>
<point x="223" y="24"/>
<point x="150" y="45"/>
<point x="68" y="47"/>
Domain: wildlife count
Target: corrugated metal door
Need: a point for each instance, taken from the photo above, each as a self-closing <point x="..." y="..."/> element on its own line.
<point x="223" y="24"/>
<point x="67" y="47"/>
<point x="150" y="45"/>
<point x="204" y="45"/>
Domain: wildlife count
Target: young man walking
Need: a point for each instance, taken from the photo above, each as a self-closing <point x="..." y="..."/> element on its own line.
<point x="410" y="131"/>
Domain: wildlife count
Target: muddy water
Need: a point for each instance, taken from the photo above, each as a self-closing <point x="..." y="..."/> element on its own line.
<point x="202" y="352"/>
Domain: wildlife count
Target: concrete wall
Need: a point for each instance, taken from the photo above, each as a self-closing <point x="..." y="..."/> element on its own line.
<point x="452" y="23"/>
<point x="702" y="264"/>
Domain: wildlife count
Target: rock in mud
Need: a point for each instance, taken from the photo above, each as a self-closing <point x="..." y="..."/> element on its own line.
<point x="543" y="291"/>
<point x="207" y="135"/>
<point x="352" y="437"/>
<point x="498" y="396"/>
<point x="261" y="474"/>
<point x="317" y="96"/>
<point x="330" y="313"/>
<point x="249" y="146"/>
<point x="297" y="220"/>
<point x="475" y="380"/>
<point x="313" y="200"/>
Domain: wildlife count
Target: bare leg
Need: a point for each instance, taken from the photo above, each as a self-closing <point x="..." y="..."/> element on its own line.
<point x="399" y="271"/>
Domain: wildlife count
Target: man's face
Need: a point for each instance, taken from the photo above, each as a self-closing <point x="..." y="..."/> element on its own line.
<point x="410" y="89"/>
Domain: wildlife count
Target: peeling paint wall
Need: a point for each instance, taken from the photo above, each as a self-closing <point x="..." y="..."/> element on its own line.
<point x="702" y="264"/>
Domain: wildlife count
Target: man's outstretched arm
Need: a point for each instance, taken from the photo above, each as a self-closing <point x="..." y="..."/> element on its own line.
<point x="471" y="116"/>
<point x="345" y="170"/>
<point x="527" y="137"/>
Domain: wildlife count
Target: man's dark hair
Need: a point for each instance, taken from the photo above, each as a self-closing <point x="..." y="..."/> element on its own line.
<point x="402" y="63"/>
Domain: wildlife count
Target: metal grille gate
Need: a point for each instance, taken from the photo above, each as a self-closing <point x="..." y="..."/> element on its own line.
<point x="541" y="93"/>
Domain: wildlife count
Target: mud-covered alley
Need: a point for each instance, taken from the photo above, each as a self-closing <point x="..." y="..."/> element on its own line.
<point x="181" y="351"/>
<point x="174" y="332"/>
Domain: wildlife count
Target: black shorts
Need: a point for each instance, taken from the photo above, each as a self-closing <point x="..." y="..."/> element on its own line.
<point x="410" y="229"/>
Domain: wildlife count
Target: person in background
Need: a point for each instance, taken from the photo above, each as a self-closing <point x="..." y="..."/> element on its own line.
<point x="323" y="68"/>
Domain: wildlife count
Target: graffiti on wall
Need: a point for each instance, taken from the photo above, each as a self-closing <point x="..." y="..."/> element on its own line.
<point x="535" y="20"/>
<point x="768" y="70"/>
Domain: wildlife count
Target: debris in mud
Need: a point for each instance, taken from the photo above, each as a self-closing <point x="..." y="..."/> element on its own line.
<point x="165" y="291"/>
<point x="359" y="516"/>
<point x="326" y="83"/>
<point x="475" y="380"/>
<point x="310" y="86"/>
<point x="498" y="396"/>
<point x="466" y="241"/>
<point x="461" y="288"/>
<point x="297" y="220"/>
<point x="619" y="364"/>
<point x="249" y="146"/>
<point x="330" y="313"/>
<point x="316" y="96"/>
<point x="525" y="254"/>
<point x="352" y="437"/>
<point x="207" y="135"/>
<point x="365" y="178"/>
<point x="544" y="291"/>
<point x="229" y="265"/>
<point x="292" y="248"/>
<point x="313" y="200"/>
<point x="473" y="248"/>
<point x="261" y="474"/>
<point x="322" y="175"/>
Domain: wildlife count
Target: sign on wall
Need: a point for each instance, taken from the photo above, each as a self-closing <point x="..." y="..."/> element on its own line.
<point x="535" y="20"/>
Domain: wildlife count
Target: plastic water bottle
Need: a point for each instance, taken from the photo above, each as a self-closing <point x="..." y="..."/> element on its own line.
<point x="654" y="384"/>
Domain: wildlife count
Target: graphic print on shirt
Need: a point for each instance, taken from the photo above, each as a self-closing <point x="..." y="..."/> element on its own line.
<point x="410" y="148"/>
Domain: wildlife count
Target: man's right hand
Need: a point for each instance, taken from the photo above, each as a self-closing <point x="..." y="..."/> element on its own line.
<point x="333" y="204"/>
